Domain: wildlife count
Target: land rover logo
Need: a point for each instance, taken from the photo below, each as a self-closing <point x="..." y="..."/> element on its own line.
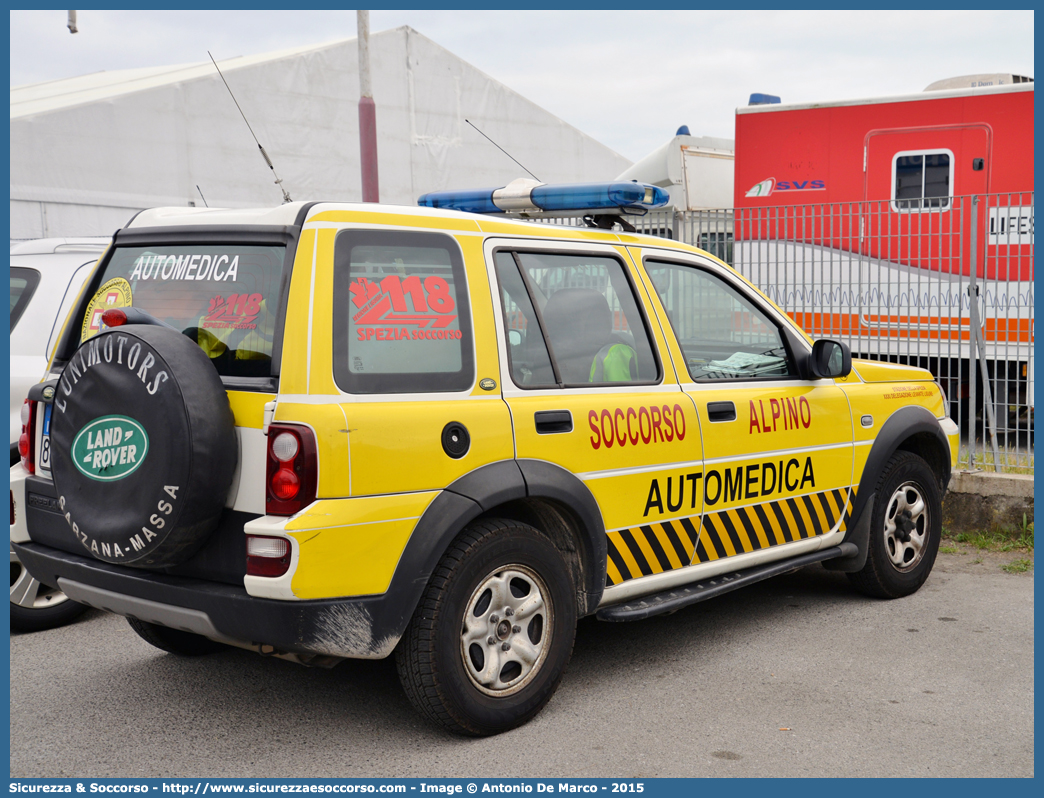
<point x="110" y="448"/>
<point x="48" y="393"/>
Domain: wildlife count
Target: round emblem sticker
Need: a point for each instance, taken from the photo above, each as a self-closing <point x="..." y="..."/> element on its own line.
<point x="487" y="384"/>
<point x="110" y="448"/>
<point x="114" y="294"/>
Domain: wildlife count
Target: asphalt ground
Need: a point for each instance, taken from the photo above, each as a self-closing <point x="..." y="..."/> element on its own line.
<point x="797" y="676"/>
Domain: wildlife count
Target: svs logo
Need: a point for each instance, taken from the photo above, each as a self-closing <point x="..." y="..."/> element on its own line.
<point x="767" y="187"/>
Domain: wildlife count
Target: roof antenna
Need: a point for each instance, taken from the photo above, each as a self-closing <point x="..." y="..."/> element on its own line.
<point x="278" y="180"/>
<point x="502" y="150"/>
<point x="201" y="195"/>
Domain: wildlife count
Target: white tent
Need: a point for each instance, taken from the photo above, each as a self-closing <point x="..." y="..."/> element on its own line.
<point x="89" y="152"/>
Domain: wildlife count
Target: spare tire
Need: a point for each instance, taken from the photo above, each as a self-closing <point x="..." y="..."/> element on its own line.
<point x="143" y="446"/>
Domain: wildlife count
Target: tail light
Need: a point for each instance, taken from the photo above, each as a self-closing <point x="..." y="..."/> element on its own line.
<point x="293" y="469"/>
<point x="25" y="440"/>
<point x="267" y="556"/>
<point x="114" y="317"/>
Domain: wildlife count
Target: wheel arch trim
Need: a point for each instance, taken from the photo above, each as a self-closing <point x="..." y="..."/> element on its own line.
<point x="546" y="480"/>
<point x="481" y="492"/>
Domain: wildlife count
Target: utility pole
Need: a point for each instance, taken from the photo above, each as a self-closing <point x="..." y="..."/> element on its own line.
<point x="367" y="114"/>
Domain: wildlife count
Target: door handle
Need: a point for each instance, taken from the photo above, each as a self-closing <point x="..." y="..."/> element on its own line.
<point x="721" y="411"/>
<point x="550" y="422"/>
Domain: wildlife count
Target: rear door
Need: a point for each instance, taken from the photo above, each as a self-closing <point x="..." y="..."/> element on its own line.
<point x="410" y="355"/>
<point x="589" y="391"/>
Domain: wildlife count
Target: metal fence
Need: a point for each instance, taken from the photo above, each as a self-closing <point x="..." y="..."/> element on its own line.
<point x="944" y="283"/>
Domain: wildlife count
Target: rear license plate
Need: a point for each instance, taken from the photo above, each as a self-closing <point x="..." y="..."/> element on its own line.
<point x="45" y="442"/>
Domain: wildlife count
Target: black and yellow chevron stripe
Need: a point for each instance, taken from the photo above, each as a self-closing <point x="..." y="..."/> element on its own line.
<point x="650" y="549"/>
<point x="655" y="548"/>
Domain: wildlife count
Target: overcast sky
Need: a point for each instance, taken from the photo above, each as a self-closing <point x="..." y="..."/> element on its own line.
<point x="627" y="78"/>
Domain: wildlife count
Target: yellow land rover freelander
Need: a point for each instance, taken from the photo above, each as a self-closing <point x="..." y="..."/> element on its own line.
<point x="327" y="431"/>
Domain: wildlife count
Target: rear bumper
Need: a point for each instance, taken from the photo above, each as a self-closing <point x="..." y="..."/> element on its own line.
<point x="353" y="628"/>
<point x="953" y="435"/>
<point x="19" y="529"/>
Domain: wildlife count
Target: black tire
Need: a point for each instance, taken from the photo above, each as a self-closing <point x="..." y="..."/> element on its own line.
<point x="42" y="607"/>
<point x="143" y="446"/>
<point x="443" y="682"/>
<point x="905" y="529"/>
<point x="174" y="641"/>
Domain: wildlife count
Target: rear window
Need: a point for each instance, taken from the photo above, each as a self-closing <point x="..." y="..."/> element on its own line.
<point x="23" y="284"/>
<point x="402" y="322"/>
<point x="225" y="297"/>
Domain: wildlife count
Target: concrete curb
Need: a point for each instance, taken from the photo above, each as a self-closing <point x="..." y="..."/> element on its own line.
<point x="984" y="500"/>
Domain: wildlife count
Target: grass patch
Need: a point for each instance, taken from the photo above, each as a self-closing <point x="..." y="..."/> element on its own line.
<point x="996" y="541"/>
<point x="1019" y="566"/>
<point x="1013" y="539"/>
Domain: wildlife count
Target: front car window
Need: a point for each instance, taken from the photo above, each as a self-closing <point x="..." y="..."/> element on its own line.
<point x="721" y="333"/>
<point x="572" y="319"/>
<point x="402" y="321"/>
<point x="225" y="297"/>
<point x="922" y="180"/>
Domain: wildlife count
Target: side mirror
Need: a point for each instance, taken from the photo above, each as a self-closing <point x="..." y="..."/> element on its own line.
<point x="830" y="359"/>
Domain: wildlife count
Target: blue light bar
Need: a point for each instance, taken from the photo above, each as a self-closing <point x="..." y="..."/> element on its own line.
<point x="594" y="196"/>
<point x="528" y="197"/>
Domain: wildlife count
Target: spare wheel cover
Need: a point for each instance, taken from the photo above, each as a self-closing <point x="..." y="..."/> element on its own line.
<point x="143" y="446"/>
